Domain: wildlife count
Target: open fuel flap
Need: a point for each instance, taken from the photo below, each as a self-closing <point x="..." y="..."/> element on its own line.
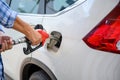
<point x="55" y="41"/>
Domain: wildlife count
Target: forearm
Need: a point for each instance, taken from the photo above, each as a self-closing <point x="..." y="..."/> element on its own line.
<point x="22" y="27"/>
<point x="26" y="29"/>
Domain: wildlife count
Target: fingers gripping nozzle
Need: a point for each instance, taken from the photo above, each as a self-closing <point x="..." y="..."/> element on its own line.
<point x="44" y="36"/>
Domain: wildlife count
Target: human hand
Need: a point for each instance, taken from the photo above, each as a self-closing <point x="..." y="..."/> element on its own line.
<point x="35" y="37"/>
<point x="5" y="41"/>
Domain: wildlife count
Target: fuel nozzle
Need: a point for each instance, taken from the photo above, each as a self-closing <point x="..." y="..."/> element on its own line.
<point x="44" y="35"/>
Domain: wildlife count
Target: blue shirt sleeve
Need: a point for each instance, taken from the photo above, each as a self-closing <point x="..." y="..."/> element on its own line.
<point x="7" y="15"/>
<point x="1" y="28"/>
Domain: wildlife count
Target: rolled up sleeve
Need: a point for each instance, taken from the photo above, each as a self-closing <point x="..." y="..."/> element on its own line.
<point x="7" y="16"/>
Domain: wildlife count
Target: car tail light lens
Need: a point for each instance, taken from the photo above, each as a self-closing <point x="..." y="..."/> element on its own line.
<point x="106" y="35"/>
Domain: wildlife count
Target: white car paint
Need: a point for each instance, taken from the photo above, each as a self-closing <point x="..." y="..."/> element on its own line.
<point x="74" y="60"/>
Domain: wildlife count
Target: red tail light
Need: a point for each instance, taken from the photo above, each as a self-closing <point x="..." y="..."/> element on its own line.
<point x="106" y="35"/>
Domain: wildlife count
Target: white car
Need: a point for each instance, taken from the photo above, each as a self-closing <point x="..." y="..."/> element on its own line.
<point x="84" y="42"/>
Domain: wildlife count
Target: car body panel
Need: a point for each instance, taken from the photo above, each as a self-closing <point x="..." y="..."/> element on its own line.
<point x="74" y="60"/>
